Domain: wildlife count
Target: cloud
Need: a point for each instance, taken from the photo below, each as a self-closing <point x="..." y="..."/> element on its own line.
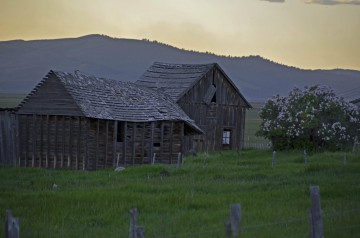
<point x="334" y="2"/>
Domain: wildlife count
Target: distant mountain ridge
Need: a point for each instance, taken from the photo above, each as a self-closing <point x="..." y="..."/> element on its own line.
<point x="24" y="63"/>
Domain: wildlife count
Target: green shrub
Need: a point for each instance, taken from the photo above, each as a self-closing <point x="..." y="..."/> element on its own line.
<point x="313" y="119"/>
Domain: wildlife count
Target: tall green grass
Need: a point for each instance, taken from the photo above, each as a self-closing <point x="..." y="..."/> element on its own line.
<point x="193" y="201"/>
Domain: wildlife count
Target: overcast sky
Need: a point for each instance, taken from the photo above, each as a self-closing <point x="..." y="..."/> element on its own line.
<point x="303" y="33"/>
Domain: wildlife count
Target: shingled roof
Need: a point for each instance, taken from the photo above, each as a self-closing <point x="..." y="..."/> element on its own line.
<point x="173" y="79"/>
<point x="122" y="101"/>
<point x="177" y="79"/>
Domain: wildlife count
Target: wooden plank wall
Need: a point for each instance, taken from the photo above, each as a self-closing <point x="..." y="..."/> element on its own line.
<point x="91" y="144"/>
<point x="144" y="139"/>
<point x="50" y="98"/>
<point x="100" y="145"/>
<point x="53" y="141"/>
<point x="227" y="113"/>
<point x="9" y="138"/>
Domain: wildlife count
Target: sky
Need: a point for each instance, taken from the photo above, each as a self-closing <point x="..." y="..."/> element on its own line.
<point x="309" y="34"/>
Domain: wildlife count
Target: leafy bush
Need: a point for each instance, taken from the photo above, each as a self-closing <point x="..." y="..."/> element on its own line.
<point x="313" y="118"/>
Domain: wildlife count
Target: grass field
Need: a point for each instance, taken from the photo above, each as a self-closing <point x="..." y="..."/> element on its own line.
<point x="193" y="201"/>
<point x="252" y="122"/>
<point x="10" y="99"/>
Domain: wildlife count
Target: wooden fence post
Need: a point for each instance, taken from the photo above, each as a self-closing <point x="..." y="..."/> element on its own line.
<point x="140" y="231"/>
<point x="305" y="157"/>
<point x="153" y="159"/>
<point x="134" y="230"/>
<point x="273" y="159"/>
<point x="355" y="143"/>
<point x="12" y="228"/>
<point x="315" y="214"/>
<point x="205" y="159"/>
<point x="133" y="220"/>
<point x="179" y="160"/>
<point x="228" y="229"/>
<point x="235" y="220"/>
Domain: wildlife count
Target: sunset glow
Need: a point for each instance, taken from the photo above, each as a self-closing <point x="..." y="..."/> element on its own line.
<point x="303" y="33"/>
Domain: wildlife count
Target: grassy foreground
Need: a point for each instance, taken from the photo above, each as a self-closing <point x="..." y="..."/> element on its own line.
<point x="193" y="201"/>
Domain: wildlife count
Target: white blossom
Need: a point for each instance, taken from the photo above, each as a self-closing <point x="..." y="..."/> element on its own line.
<point x="314" y="111"/>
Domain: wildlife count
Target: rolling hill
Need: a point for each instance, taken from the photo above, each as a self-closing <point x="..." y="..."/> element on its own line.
<point x="24" y="63"/>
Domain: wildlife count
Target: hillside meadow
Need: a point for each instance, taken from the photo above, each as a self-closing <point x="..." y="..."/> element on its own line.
<point x="190" y="201"/>
<point x="10" y="99"/>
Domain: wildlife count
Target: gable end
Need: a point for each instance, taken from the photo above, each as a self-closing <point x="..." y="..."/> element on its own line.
<point x="50" y="98"/>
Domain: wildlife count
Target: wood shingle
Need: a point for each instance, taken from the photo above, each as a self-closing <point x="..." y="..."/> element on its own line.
<point x="208" y="96"/>
<point x="83" y="122"/>
<point x="111" y="100"/>
<point x="173" y="79"/>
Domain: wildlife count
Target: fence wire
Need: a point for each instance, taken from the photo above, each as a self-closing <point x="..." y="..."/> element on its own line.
<point x="297" y="227"/>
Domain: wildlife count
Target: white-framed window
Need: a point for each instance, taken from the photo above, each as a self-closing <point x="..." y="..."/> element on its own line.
<point x="226" y="136"/>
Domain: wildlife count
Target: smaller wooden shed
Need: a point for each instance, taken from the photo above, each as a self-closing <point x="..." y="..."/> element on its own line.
<point x="208" y="96"/>
<point x="83" y="122"/>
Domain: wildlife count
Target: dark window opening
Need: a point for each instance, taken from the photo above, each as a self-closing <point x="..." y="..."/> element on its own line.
<point x="226" y="137"/>
<point x="213" y="99"/>
<point x="156" y="144"/>
<point x="120" y="132"/>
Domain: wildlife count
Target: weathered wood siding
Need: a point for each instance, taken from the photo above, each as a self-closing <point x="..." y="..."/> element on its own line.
<point x="141" y="140"/>
<point x="53" y="141"/>
<point x="228" y="112"/>
<point x="51" y="98"/>
<point x="83" y="143"/>
<point x="9" y="136"/>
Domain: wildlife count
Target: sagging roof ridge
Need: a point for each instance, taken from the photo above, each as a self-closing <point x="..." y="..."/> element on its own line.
<point x="111" y="99"/>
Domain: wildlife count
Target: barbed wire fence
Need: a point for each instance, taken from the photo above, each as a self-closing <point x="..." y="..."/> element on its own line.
<point x="315" y="225"/>
<point x="336" y="223"/>
<point x="291" y="228"/>
<point x="255" y="142"/>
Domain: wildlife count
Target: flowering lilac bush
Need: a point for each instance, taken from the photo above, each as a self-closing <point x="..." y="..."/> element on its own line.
<point x="313" y="118"/>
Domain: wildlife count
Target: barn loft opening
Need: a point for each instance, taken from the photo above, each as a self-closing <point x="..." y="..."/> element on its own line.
<point x="213" y="99"/>
<point x="210" y="94"/>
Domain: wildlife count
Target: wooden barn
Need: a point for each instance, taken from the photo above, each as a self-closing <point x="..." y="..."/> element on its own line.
<point x="208" y="96"/>
<point x="82" y="122"/>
